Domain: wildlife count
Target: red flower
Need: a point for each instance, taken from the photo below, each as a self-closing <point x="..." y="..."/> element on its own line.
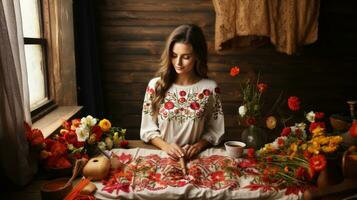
<point x="169" y="105"/>
<point x="281" y="142"/>
<point x="182" y="100"/>
<point x="250" y="121"/>
<point x="58" y="162"/>
<point x="98" y="132"/>
<point x="66" y="125"/>
<point x="58" y="149"/>
<point x="70" y="137"/>
<point x="195" y="106"/>
<point x="36" y="137"/>
<point x="182" y="93"/>
<point x="300" y="172"/>
<point x="307" y="154"/>
<point x="262" y="87"/>
<point x="319" y="115"/>
<point x="294" y="103"/>
<point x="206" y="92"/>
<point x="314" y="125"/>
<point x="217" y="90"/>
<point x="124" y="143"/>
<point x="234" y="71"/>
<point x="317" y="163"/>
<point x="250" y="153"/>
<point x="79" y="144"/>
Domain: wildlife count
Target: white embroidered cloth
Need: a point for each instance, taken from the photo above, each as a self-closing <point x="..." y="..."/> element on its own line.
<point x="213" y="175"/>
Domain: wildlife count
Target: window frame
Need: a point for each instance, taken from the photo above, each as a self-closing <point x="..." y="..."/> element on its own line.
<point x="47" y="106"/>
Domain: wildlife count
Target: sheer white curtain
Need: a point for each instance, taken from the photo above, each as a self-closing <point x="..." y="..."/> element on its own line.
<point x="15" y="161"/>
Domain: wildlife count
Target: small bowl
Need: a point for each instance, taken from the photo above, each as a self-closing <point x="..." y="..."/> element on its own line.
<point x="234" y="148"/>
<point x="339" y="125"/>
<point x="54" y="190"/>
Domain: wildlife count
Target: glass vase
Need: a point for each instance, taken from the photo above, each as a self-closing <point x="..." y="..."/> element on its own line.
<point x="254" y="137"/>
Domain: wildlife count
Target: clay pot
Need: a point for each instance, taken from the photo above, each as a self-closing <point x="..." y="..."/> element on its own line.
<point x="349" y="163"/>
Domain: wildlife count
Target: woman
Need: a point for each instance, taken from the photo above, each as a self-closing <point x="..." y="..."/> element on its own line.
<point x="182" y="111"/>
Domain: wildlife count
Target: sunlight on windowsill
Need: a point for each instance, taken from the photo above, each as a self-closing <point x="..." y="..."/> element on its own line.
<point x="49" y="123"/>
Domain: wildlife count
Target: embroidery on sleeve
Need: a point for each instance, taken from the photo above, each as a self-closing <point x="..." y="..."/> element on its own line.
<point x="217" y="107"/>
<point x="147" y="107"/>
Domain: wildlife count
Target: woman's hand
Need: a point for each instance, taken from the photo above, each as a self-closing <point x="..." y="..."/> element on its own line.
<point x="193" y="150"/>
<point x="174" y="151"/>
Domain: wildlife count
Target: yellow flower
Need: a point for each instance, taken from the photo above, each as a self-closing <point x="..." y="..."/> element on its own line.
<point x="314" y="148"/>
<point x="105" y="125"/>
<point x="335" y="139"/>
<point x="323" y="140"/>
<point x="329" y="148"/>
<point x="318" y="131"/>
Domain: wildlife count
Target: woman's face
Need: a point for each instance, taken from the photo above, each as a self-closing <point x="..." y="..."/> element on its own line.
<point x="183" y="58"/>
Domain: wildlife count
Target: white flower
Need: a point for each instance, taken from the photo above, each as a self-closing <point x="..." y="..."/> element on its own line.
<point x="242" y="110"/>
<point x="310" y="116"/>
<point x="70" y="146"/>
<point x="89" y="121"/>
<point x="82" y="133"/>
<point x="101" y="145"/>
<point x="301" y="126"/>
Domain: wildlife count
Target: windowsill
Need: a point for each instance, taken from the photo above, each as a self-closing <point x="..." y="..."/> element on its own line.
<point x="49" y="123"/>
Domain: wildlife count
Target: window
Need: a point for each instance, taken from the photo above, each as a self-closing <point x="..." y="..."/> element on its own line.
<point x="35" y="54"/>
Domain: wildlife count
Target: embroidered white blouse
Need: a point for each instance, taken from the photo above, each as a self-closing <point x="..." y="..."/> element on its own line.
<point x="188" y="114"/>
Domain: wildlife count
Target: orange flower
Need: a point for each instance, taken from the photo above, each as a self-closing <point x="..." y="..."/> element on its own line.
<point x="234" y="71"/>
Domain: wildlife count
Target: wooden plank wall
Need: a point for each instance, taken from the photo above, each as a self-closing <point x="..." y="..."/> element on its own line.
<point x="132" y="34"/>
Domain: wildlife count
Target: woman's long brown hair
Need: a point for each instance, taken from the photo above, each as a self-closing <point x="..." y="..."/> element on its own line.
<point x="189" y="34"/>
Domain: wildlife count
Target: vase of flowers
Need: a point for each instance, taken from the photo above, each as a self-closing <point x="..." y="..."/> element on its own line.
<point x="250" y="111"/>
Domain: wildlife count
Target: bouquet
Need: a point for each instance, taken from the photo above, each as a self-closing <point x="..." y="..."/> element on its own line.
<point x="252" y="92"/>
<point x="75" y="140"/>
<point x="296" y="157"/>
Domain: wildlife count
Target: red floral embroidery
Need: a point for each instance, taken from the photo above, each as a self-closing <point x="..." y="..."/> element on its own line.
<point x="169" y="105"/>
<point x="206" y="92"/>
<point x="182" y="93"/>
<point x="182" y="100"/>
<point x="195" y="106"/>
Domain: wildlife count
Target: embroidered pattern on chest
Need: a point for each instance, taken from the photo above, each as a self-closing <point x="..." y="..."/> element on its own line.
<point x="184" y="105"/>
